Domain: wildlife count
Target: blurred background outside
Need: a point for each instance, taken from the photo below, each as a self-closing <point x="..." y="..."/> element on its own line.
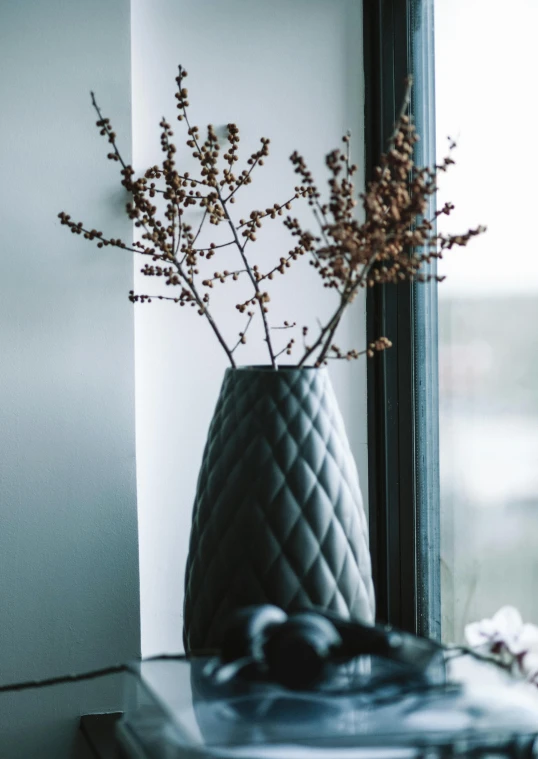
<point x="486" y="58"/>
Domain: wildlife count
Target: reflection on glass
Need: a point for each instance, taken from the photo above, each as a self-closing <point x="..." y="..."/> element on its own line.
<point x="486" y="57"/>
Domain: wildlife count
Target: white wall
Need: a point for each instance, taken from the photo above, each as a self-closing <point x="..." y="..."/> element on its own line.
<point x="68" y="537"/>
<point x="290" y="70"/>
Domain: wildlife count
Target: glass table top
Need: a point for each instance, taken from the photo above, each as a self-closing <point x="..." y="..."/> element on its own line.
<point x="370" y="707"/>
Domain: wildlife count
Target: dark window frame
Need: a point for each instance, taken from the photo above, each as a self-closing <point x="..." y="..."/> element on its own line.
<point x="403" y="408"/>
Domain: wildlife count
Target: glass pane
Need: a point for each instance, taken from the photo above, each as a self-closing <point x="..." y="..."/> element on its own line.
<point x="486" y="58"/>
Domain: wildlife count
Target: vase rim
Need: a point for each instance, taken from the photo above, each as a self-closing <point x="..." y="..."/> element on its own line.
<point x="269" y="368"/>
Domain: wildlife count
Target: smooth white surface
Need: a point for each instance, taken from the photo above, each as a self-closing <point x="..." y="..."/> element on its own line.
<point x="69" y="597"/>
<point x="287" y="70"/>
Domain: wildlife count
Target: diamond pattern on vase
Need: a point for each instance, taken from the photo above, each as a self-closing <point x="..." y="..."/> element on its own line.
<point x="278" y="514"/>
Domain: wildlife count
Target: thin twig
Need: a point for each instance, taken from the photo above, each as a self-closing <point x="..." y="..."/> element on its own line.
<point x="287" y="348"/>
<point x="242" y="181"/>
<point x="149" y="298"/>
<point x="332" y="324"/>
<point x="108" y="131"/>
<point x="242" y="334"/>
<point x="346" y="356"/>
<point x="286" y="326"/>
<point x="265" y="214"/>
<point x="332" y="330"/>
<point x="179" y="232"/>
<point x="238" y="243"/>
<point x="252" y="279"/>
<point x="205" y="310"/>
<point x="189" y="281"/>
<point x="322" y="227"/>
<point x="106" y="242"/>
<point x="405" y="105"/>
<point x="278" y="268"/>
<point x="348" y="144"/>
<point x="213" y="247"/>
<point x="200" y="227"/>
<point x="223" y="276"/>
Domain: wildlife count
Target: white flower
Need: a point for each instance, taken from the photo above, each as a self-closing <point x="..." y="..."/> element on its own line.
<point x="527" y="640"/>
<point x="505" y="636"/>
<point x="501" y="631"/>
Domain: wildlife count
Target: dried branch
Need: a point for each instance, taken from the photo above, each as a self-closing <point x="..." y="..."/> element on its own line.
<point x="223" y="276"/>
<point x="262" y="298"/>
<point x="287" y="349"/>
<point x="395" y="242"/>
<point x="286" y="325"/>
<point x="242" y="335"/>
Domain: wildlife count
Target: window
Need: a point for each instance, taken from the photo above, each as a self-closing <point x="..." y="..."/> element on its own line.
<point x="488" y="309"/>
<point x="452" y="548"/>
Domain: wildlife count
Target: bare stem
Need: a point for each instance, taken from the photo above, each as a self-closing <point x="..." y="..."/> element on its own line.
<point x="204" y="309"/>
<point x="241" y="251"/>
<point x="223" y="276"/>
<point x="264" y="215"/>
<point x="179" y="232"/>
<point x="149" y="298"/>
<point x="197" y="235"/>
<point x="286" y="348"/>
<point x="173" y="258"/>
<point x="405" y="105"/>
<point x="252" y="279"/>
<point x="332" y="330"/>
<point x="345" y="357"/>
<point x="242" y="181"/>
<point x="180" y="176"/>
<point x="286" y="326"/>
<point x="283" y="264"/>
<point x="213" y="247"/>
<point x="332" y="324"/>
<point x="108" y="131"/>
<point x="242" y="334"/>
<point x="117" y="244"/>
<point x="321" y="226"/>
<point x="349" y="292"/>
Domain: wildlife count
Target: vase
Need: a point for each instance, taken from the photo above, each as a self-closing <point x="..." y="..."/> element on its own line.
<point x="278" y="515"/>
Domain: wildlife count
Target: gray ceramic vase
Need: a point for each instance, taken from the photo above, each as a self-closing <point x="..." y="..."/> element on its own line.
<point x="278" y="515"/>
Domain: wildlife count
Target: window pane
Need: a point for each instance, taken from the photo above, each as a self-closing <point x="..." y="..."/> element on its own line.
<point x="486" y="57"/>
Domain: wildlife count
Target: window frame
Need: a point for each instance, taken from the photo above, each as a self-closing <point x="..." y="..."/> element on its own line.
<point x="403" y="405"/>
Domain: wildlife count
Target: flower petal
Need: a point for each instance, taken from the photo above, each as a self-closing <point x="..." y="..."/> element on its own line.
<point x="480" y="633"/>
<point x="527" y="640"/>
<point x="508" y="623"/>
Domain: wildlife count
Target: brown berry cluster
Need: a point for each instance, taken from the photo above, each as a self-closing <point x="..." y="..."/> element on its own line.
<point x="396" y="240"/>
